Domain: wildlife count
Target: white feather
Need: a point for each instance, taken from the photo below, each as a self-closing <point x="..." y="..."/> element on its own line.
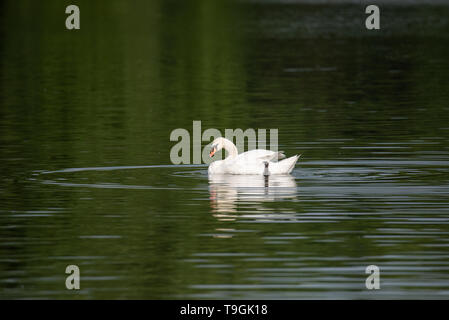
<point x="250" y="162"/>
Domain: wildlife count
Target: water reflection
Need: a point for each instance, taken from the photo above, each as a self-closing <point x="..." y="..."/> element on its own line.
<point x="227" y="191"/>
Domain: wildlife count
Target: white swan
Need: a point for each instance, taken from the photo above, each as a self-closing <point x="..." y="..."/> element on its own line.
<point x="259" y="161"/>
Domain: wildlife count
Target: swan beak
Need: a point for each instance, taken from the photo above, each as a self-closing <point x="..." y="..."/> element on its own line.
<point x="212" y="152"/>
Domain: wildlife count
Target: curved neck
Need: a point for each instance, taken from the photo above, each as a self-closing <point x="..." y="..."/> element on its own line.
<point x="230" y="148"/>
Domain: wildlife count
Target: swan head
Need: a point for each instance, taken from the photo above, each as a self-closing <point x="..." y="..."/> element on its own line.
<point x="216" y="146"/>
<point x="223" y="143"/>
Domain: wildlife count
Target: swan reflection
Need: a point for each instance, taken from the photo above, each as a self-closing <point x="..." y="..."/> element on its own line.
<point x="229" y="191"/>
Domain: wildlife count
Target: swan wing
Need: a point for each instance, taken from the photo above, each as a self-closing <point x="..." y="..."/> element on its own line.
<point x="261" y="155"/>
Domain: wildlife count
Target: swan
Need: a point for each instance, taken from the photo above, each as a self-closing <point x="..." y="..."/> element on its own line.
<point x="259" y="161"/>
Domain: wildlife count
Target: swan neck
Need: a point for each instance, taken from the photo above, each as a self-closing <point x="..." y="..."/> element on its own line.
<point x="230" y="148"/>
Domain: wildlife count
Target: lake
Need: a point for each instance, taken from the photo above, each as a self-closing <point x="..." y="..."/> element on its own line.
<point x="86" y="177"/>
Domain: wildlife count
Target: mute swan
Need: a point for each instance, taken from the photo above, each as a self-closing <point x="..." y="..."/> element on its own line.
<point x="259" y="161"/>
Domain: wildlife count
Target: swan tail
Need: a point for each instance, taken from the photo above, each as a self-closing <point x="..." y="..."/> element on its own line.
<point x="290" y="163"/>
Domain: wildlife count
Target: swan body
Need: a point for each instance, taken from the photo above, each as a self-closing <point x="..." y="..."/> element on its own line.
<point x="259" y="161"/>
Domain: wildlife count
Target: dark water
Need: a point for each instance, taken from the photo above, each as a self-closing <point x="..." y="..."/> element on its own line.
<point x="86" y="177"/>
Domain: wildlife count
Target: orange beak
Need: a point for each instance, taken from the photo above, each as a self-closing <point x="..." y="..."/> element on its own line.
<point x="212" y="152"/>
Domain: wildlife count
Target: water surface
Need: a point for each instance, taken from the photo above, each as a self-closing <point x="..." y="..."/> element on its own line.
<point x="86" y="177"/>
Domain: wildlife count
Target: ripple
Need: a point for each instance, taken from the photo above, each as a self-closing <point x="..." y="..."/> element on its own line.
<point x="112" y="168"/>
